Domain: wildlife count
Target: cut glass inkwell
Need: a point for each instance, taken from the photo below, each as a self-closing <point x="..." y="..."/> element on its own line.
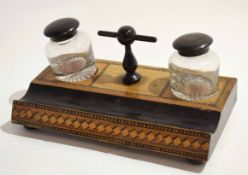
<point x="194" y="69"/>
<point x="69" y="51"/>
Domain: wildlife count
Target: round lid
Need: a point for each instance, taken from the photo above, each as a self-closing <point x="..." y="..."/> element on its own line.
<point x="193" y="44"/>
<point x="61" y="29"/>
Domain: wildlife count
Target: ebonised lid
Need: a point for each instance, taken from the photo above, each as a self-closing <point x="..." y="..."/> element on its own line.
<point x="193" y="44"/>
<point x="61" y="29"/>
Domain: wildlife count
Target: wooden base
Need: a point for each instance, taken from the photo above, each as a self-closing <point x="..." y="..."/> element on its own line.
<point x="144" y="115"/>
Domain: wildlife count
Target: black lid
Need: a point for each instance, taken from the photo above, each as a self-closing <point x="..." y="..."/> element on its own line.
<point x="61" y="29"/>
<point x="193" y="44"/>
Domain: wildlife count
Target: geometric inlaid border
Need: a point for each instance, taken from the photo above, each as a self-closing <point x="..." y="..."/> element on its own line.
<point x="149" y="136"/>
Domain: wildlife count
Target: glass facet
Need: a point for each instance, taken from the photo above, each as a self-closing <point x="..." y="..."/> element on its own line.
<point x="194" y="78"/>
<point x="72" y="60"/>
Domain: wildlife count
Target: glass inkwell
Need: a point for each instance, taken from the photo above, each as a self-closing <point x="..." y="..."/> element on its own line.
<point x="69" y="51"/>
<point x="194" y="69"/>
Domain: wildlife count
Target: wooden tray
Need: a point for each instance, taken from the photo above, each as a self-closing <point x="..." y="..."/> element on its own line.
<point x="144" y="116"/>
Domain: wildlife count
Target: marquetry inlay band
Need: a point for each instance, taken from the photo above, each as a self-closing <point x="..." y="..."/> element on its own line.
<point x="154" y="137"/>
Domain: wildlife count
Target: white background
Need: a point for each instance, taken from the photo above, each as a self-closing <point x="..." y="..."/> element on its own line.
<point x="22" y="58"/>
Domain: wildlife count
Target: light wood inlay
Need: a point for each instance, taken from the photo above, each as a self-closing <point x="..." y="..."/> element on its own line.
<point x="154" y="85"/>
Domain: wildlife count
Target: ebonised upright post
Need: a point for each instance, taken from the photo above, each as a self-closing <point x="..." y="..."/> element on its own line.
<point x="126" y="35"/>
